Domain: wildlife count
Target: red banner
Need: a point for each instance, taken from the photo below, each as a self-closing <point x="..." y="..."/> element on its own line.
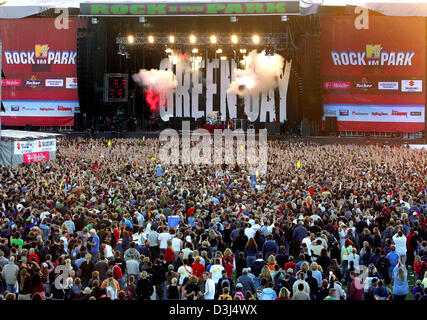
<point x="39" y="62"/>
<point x="36" y="156"/>
<point x="375" y="73"/>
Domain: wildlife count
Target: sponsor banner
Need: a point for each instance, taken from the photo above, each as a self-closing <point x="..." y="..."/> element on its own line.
<point x="37" y="121"/>
<point x="57" y="83"/>
<point x="40" y="108"/>
<point x="375" y="113"/>
<point x="337" y="85"/>
<point x="379" y="126"/>
<point x="412" y="85"/>
<point x="386" y="67"/>
<point x="388" y="85"/>
<point x="23" y="147"/>
<point x="46" y="145"/>
<point x="36" y="156"/>
<point x="71" y="83"/>
<point x="11" y="82"/>
<point x="33" y="82"/>
<point x="42" y="57"/>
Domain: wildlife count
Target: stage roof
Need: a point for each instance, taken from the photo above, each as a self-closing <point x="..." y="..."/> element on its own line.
<point x="13" y="9"/>
<point x="18" y="134"/>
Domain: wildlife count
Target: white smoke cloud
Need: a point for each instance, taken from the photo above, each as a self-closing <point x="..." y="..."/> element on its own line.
<point x="261" y="73"/>
<point x="161" y="81"/>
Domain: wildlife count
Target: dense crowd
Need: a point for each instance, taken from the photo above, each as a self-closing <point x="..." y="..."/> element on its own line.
<point x="330" y="222"/>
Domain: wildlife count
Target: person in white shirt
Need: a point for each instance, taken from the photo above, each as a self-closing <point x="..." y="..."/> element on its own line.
<point x="140" y="218"/>
<point x="177" y="244"/>
<point x="163" y="240"/>
<point x="108" y="251"/>
<point x="255" y="227"/>
<point x="187" y="250"/>
<point x="307" y="241"/>
<point x="65" y="240"/>
<point x="216" y="271"/>
<point x="209" y="293"/>
<point x="400" y="241"/>
<point x="184" y="271"/>
<point x="249" y="232"/>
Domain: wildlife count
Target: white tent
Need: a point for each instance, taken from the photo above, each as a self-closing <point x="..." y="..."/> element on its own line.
<point x="13" y="9"/>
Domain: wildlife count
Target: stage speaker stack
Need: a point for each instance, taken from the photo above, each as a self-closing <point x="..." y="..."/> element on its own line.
<point x="310" y="73"/>
<point x="273" y="128"/>
<point x="86" y="71"/>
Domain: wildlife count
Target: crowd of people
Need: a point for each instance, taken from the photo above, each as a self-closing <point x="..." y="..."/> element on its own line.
<point x="106" y="220"/>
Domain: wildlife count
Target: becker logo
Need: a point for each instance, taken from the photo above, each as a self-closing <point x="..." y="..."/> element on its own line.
<point x="364" y="84"/>
<point x="400" y="114"/>
<point x="33" y="82"/>
<point x="62" y="108"/>
<point x="415" y="113"/>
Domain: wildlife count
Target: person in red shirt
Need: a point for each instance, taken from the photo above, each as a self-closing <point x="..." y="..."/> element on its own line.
<point x="290" y="264"/>
<point x="198" y="268"/>
<point x="418" y="265"/>
<point x="170" y="253"/>
<point x="33" y="255"/>
<point x="228" y="266"/>
<point x="228" y="254"/>
<point x="116" y="232"/>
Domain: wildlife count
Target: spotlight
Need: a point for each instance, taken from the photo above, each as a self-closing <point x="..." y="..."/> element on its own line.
<point x="233" y="19"/>
<point x="131" y="39"/>
<point x="223" y="58"/>
<point x="213" y="39"/>
<point x="242" y="50"/>
<point x="150" y="39"/>
<point x="234" y="39"/>
<point x="142" y="19"/>
<point x="95" y="20"/>
<point x="255" y="39"/>
<point x="284" y="18"/>
<point x="168" y="50"/>
<point x="193" y="39"/>
<point x="175" y="59"/>
<point x="171" y="39"/>
<point x="219" y="50"/>
<point x="195" y="50"/>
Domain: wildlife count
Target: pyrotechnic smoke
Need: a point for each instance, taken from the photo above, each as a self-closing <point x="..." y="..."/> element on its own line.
<point x="261" y="73"/>
<point x="159" y="84"/>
